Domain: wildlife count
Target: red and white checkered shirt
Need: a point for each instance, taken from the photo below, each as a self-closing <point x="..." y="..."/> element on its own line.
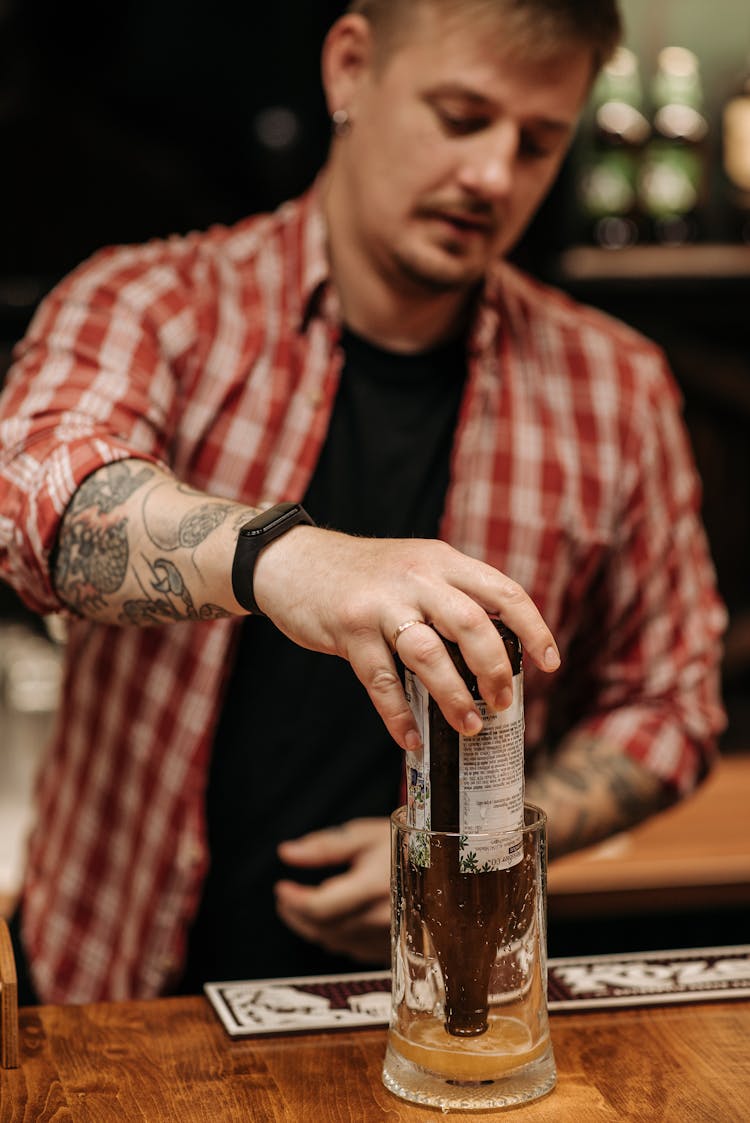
<point x="217" y="355"/>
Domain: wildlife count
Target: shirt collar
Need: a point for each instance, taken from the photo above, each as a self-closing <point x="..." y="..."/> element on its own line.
<point x="317" y="293"/>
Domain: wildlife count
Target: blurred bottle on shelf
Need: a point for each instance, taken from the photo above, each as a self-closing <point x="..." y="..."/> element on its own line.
<point x="735" y="122"/>
<point x="608" y="170"/>
<point x="672" y="183"/>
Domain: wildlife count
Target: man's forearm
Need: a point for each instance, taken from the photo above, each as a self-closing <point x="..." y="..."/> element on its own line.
<point x="138" y="547"/>
<point x="591" y="790"/>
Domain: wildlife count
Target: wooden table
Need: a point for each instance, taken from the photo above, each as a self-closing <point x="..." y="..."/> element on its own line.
<point x="694" y="856"/>
<point x="170" y="1060"/>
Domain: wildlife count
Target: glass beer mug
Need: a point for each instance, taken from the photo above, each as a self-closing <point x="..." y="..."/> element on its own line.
<point x="469" y="1026"/>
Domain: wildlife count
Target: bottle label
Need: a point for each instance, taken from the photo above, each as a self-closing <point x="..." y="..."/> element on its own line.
<point x="491" y="786"/>
<point x="418" y="764"/>
<point x="491" y="783"/>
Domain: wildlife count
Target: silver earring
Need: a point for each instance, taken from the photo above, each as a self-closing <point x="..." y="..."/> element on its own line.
<point x="340" y="122"/>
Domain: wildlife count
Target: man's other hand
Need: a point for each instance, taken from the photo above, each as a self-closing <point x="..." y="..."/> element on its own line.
<point x="350" y="912"/>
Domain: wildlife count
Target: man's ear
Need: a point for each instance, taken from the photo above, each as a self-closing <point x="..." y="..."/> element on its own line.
<point x="347" y="57"/>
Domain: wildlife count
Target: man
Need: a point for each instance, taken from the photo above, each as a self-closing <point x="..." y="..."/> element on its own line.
<point x="366" y="350"/>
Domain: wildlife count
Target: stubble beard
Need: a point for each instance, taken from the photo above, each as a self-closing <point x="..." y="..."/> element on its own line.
<point x="427" y="276"/>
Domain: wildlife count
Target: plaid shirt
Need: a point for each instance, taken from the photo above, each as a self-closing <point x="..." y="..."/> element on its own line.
<point x="217" y="355"/>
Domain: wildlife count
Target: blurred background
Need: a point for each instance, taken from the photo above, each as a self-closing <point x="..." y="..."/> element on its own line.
<point x="141" y="118"/>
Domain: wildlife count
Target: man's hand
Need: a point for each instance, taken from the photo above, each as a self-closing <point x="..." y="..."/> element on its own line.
<point x="138" y="547"/>
<point x="349" y="913"/>
<point x="348" y="596"/>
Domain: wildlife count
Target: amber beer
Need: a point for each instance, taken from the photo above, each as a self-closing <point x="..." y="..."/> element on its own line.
<point x="451" y="978"/>
<point x="468" y="786"/>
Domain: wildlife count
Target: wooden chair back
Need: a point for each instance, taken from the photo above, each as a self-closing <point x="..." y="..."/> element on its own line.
<point x="8" y="1001"/>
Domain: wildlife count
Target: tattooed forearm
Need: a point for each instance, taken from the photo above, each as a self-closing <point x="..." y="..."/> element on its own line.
<point x="110" y="562"/>
<point x="591" y="790"/>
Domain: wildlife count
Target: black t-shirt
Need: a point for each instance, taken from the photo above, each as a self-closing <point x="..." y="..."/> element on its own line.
<point x="299" y="745"/>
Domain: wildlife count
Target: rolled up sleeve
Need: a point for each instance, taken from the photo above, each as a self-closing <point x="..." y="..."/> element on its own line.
<point x="93" y="382"/>
<point x="656" y="689"/>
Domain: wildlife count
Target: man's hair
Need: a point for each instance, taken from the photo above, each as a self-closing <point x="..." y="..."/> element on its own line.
<point x="539" y="27"/>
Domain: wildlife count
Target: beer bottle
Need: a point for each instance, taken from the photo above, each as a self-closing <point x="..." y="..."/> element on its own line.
<point x="673" y="176"/>
<point x="467" y="785"/>
<point x="735" y="119"/>
<point x="608" y="170"/>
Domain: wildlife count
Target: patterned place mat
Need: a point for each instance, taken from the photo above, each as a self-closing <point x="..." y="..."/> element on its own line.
<point x="649" y="978"/>
<point x="315" y="1002"/>
<point x="311" y="1002"/>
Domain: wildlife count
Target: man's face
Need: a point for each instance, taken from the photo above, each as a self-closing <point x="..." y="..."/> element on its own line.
<point x="453" y="145"/>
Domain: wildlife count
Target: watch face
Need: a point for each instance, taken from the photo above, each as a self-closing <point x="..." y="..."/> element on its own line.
<point x="274" y="518"/>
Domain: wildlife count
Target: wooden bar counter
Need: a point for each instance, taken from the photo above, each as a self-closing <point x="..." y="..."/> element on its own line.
<point x="170" y="1061"/>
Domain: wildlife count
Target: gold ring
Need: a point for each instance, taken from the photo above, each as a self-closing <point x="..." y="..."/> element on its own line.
<point x="402" y="628"/>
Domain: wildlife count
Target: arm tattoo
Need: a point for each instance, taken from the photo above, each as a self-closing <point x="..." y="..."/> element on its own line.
<point x="592" y="791"/>
<point x="96" y="559"/>
<point x="171" y="591"/>
<point x="188" y="531"/>
<point x="109" y="487"/>
<point x="627" y="788"/>
<point x="91" y="562"/>
<point x="92" y="557"/>
<point x="196" y="527"/>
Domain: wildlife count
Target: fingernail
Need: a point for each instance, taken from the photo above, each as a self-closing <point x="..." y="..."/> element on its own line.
<point x="551" y="659"/>
<point x="472" y="724"/>
<point x="413" y="741"/>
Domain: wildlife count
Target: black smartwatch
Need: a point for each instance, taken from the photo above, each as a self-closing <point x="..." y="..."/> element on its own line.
<point x="256" y="534"/>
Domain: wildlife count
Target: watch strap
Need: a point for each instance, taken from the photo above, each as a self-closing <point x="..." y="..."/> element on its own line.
<point x="254" y="536"/>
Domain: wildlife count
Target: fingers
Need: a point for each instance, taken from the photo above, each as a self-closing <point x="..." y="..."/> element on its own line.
<point x="423" y="651"/>
<point x="336" y="845"/>
<point x="487" y="588"/>
<point x="365" y="844"/>
<point x="460" y="612"/>
<point x="334" y="899"/>
<point x="376" y="670"/>
<point x="364" y="936"/>
<point x="319" y="848"/>
<point x="350" y="912"/>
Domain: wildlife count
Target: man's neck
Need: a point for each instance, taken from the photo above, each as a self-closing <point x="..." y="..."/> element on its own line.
<point x="393" y="313"/>
<point x="376" y="313"/>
